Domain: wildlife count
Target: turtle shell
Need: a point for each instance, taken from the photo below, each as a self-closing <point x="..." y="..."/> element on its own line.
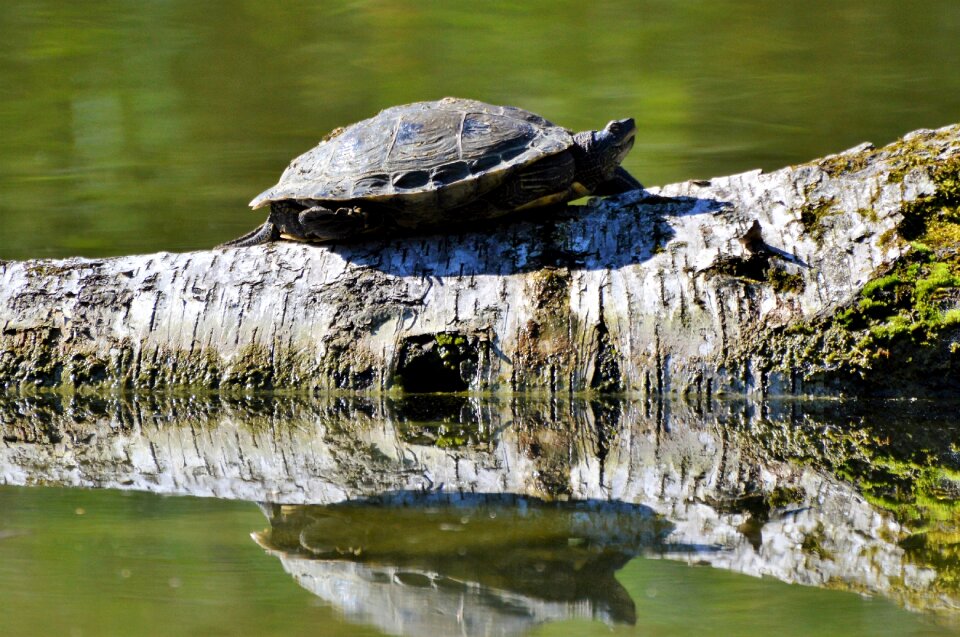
<point x="438" y="154"/>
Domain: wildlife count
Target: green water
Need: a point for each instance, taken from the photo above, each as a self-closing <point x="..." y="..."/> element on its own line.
<point x="78" y="562"/>
<point x="150" y="128"/>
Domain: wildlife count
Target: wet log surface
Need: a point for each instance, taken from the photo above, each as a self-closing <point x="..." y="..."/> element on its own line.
<point x="753" y="283"/>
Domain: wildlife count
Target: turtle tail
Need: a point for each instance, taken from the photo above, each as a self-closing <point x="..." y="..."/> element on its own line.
<point x="262" y="234"/>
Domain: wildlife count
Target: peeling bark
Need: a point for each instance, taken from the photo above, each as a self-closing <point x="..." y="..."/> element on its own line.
<point x="696" y="287"/>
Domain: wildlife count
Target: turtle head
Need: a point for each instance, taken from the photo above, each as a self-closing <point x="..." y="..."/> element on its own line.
<point x="612" y="144"/>
<point x="600" y="152"/>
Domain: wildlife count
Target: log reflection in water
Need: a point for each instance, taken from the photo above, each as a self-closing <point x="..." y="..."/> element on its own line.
<point x="812" y="493"/>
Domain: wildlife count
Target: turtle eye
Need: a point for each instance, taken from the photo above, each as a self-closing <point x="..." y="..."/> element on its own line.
<point x="615" y="127"/>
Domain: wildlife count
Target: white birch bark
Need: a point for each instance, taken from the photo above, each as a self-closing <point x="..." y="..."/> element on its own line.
<point x="674" y="290"/>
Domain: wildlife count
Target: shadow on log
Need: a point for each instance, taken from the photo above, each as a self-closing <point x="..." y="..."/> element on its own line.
<point x="836" y="276"/>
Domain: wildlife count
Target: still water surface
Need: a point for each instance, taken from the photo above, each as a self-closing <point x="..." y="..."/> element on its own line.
<point x="456" y="515"/>
<point x="79" y="562"/>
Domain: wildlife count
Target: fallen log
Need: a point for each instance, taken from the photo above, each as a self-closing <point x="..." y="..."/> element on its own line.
<point x="836" y="276"/>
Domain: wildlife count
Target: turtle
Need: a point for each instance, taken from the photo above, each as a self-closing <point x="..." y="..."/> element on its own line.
<point x="438" y="163"/>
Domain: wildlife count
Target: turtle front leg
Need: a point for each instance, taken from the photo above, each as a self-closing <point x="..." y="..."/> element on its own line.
<point x="323" y="224"/>
<point x="621" y="182"/>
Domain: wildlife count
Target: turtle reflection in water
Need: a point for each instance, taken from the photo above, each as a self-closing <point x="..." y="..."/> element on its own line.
<point x="447" y="563"/>
<point x="435" y="163"/>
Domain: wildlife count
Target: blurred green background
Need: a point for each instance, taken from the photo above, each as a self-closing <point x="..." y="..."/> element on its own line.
<point x="142" y="126"/>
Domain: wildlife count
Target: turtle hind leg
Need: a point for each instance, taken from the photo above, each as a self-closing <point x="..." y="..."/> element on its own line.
<point x="621" y="182"/>
<point x="322" y="224"/>
<point x="547" y="182"/>
<point x="264" y="233"/>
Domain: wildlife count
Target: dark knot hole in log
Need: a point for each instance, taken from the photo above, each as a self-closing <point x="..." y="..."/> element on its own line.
<point x="440" y="362"/>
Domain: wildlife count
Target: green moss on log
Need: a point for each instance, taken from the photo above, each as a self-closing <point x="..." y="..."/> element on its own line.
<point x="903" y="329"/>
<point x="35" y="357"/>
<point x="813" y="214"/>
